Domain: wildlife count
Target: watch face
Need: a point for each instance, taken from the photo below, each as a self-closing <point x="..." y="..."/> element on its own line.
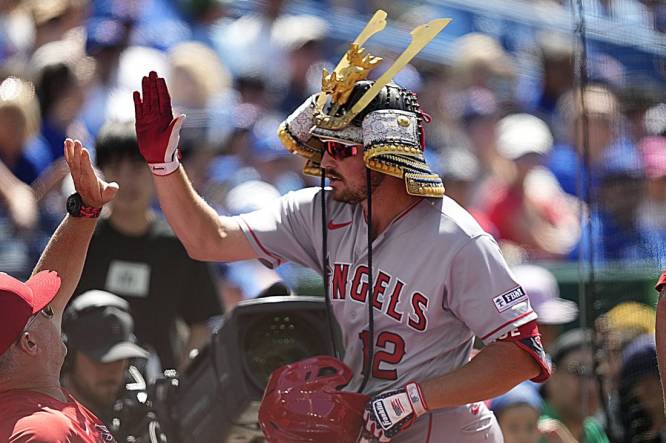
<point x="74" y="204"/>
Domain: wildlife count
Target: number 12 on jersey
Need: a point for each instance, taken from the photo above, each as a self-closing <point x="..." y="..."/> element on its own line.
<point x="389" y="349"/>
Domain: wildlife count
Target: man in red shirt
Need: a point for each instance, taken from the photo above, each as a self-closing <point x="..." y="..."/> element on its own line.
<point x="33" y="406"/>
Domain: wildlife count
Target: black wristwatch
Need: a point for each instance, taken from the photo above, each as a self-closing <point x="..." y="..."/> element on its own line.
<point x="76" y="208"/>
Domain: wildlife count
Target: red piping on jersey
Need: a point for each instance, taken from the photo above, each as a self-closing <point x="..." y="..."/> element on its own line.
<point x="256" y="239"/>
<point x="545" y="372"/>
<point x="429" y="428"/>
<point x="507" y="323"/>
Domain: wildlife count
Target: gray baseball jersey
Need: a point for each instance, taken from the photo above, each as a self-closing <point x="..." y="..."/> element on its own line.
<point x="439" y="280"/>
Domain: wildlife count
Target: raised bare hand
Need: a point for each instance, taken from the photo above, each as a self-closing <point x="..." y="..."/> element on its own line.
<point x="94" y="191"/>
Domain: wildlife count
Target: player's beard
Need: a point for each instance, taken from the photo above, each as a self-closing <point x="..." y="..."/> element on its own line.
<point x="99" y="397"/>
<point x="356" y="193"/>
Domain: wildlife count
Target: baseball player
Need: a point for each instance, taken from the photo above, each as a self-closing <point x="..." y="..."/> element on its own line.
<point x="438" y="280"/>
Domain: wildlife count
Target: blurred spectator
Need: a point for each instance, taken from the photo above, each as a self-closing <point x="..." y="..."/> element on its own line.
<point x="52" y="18"/>
<point x="441" y="99"/>
<point x="607" y="71"/>
<point x="642" y="408"/>
<point x="480" y="61"/>
<point x="61" y="74"/>
<point x="203" y="15"/>
<point x="16" y="35"/>
<point x="615" y="330"/>
<point x="655" y="120"/>
<point x="518" y="413"/>
<point x="530" y="209"/>
<point x="652" y="210"/>
<point x="135" y="255"/>
<point x="254" y="152"/>
<point x="479" y="117"/>
<point x="22" y="236"/>
<point x="249" y="41"/>
<point x="230" y="169"/>
<point x="21" y="239"/>
<point x="253" y="90"/>
<point x="268" y="157"/>
<point x="460" y="171"/>
<point x="18" y="199"/>
<point x="302" y="38"/>
<point x="556" y="57"/>
<point x="99" y="332"/>
<point x="19" y="120"/>
<point x="571" y="393"/>
<point x="544" y="293"/>
<point x="615" y="233"/>
<point x="637" y="100"/>
<point x="133" y="60"/>
<point x="158" y="24"/>
<point x="106" y="39"/>
<point x="196" y="76"/>
<point x="566" y="159"/>
<point x="615" y="176"/>
<point x="416" y="14"/>
<point x="201" y="89"/>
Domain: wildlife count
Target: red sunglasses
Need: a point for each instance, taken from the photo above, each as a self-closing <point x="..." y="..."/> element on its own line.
<point x="340" y="151"/>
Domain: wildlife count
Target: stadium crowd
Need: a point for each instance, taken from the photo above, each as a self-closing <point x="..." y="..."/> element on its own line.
<point x="506" y="136"/>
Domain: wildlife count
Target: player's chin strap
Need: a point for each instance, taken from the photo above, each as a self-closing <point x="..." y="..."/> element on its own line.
<point x="371" y="316"/>
<point x="324" y="263"/>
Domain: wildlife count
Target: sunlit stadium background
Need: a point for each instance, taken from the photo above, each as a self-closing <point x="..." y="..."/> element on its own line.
<point x="580" y="192"/>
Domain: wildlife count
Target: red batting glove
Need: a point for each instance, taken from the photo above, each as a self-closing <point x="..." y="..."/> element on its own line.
<point x="157" y="132"/>
<point x="391" y="412"/>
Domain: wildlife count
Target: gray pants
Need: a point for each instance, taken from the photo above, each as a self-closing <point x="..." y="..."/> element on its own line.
<point x="466" y="424"/>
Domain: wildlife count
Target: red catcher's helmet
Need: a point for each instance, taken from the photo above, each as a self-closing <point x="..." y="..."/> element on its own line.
<point x="303" y="403"/>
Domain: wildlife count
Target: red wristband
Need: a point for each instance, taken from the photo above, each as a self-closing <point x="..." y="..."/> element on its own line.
<point x="90" y="212"/>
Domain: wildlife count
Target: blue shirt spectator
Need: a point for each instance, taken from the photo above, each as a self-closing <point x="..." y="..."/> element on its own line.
<point x="613" y="232"/>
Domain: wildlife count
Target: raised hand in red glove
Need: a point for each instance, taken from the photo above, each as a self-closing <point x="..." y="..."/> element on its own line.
<point x="157" y="132"/>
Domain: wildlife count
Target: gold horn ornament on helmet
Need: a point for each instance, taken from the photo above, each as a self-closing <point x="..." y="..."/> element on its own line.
<point x="356" y="65"/>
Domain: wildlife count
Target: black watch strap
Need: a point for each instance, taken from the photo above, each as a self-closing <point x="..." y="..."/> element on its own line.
<point x="76" y="207"/>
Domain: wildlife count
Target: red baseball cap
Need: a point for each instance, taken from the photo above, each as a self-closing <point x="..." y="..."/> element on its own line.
<point x="19" y="301"/>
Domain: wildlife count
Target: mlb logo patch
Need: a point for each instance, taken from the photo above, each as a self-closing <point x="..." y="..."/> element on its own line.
<point x="509" y="299"/>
